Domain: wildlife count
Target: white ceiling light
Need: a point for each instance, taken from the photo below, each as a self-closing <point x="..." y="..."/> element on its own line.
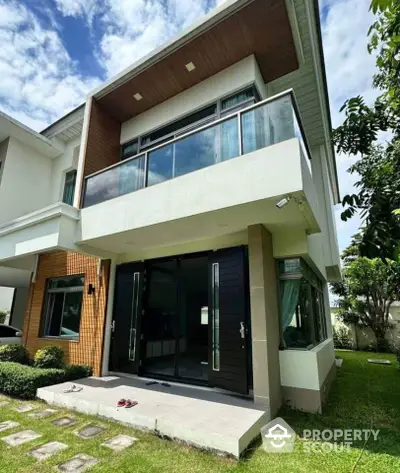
<point x="138" y="96"/>
<point x="190" y="67"/>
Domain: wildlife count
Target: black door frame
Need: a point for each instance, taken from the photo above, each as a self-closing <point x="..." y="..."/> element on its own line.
<point x="139" y="368"/>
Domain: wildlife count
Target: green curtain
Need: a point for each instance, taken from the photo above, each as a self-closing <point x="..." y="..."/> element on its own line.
<point x="290" y="297"/>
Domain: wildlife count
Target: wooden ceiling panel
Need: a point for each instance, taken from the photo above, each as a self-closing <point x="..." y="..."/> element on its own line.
<point x="262" y="28"/>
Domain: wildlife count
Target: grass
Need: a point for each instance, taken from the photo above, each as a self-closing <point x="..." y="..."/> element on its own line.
<point x="363" y="395"/>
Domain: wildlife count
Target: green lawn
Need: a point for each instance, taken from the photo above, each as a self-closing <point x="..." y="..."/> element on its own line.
<point x="361" y="396"/>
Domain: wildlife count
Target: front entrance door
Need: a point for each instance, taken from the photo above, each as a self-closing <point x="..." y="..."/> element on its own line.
<point x="228" y="313"/>
<point x="175" y="318"/>
<point x="188" y="323"/>
<point x="125" y="342"/>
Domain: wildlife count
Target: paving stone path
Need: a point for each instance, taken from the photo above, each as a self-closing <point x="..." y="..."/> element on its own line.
<point x="24" y="408"/>
<point x="90" y="431"/>
<point x="8" y="424"/>
<point x="119" y="443"/>
<point x="42" y="414"/>
<point x="20" y="438"/>
<point x="47" y="450"/>
<point x="78" y="464"/>
<point x="65" y="421"/>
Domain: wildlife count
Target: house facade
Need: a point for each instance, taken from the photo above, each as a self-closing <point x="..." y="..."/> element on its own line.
<point x="179" y="224"/>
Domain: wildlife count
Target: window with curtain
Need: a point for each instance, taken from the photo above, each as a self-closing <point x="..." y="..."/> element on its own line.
<point x="69" y="187"/>
<point x="62" y="309"/>
<point x="302" y="310"/>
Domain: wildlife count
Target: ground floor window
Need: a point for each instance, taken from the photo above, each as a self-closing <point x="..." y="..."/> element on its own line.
<point x="62" y="309"/>
<point x="302" y="305"/>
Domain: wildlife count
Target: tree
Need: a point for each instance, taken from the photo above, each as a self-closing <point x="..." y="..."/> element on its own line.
<point x="3" y="315"/>
<point x="366" y="293"/>
<point x="378" y="189"/>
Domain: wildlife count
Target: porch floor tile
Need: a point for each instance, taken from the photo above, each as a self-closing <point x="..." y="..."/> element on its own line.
<point x="201" y="417"/>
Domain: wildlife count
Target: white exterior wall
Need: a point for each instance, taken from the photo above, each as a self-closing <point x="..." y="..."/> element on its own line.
<point x="25" y="181"/>
<point x="307" y="369"/>
<point x="230" y="80"/>
<point x="60" y="166"/>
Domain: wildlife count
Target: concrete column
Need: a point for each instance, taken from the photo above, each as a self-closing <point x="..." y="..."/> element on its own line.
<point x="264" y="320"/>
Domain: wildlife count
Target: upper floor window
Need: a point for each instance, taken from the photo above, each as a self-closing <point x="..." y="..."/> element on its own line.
<point x="69" y="187"/>
<point x="62" y="309"/>
<point x="302" y="305"/>
<point x="208" y="114"/>
<point x="240" y="100"/>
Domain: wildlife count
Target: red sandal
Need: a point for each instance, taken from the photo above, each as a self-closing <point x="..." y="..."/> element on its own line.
<point x="122" y="403"/>
<point x="130" y="403"/>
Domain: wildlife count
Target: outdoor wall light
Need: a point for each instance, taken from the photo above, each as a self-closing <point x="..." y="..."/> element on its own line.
<point x="91" y="289"/>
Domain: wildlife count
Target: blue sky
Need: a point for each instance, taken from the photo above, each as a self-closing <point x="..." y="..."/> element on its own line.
<point x="55" y="51"/>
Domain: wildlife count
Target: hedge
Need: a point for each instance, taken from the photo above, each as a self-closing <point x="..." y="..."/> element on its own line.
<point x="15" y="353"/>
<point x="49" y="357"/>
<point x="22" y="381"/>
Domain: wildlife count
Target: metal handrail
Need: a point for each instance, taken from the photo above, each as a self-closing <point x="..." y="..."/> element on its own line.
<point x="216" y="122"/>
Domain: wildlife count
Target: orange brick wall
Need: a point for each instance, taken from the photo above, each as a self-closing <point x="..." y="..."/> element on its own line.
<point x="88" y="350"/>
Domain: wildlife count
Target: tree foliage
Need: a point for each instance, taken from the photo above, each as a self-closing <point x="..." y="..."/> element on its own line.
<point x="378" y="189"/>
<point x="366" y="293"/>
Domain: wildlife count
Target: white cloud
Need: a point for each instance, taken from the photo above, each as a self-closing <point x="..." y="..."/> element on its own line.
<point x="76" y="8"/>
<point x="39" y="80"/>
<point x="133" y="28"/>
<point x="349" y="73"/>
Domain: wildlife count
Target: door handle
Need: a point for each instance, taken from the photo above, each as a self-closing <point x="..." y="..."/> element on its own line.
<point x="113" y="326"/>
<point x="242" y="330"/>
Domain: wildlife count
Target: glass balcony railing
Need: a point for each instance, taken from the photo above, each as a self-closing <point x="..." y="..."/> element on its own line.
<point x="266" y="123"/>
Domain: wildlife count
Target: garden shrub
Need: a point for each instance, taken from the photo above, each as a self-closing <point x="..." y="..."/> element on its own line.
<point x="342" y="337"/>
<point x="73" y="372"/>
<point x="22" y="381"/>
<point x="14" y="353"/>
<point x="49" y="357"/>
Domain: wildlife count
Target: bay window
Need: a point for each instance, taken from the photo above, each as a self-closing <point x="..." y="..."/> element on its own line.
<point x="302" y="305"/>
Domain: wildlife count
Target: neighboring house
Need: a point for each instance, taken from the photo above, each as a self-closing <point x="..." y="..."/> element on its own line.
<point x="363" y="338"/>
<point x="179" y="224"/>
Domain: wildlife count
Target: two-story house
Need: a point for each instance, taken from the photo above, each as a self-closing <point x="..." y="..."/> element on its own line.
<point x="179" y="225"/>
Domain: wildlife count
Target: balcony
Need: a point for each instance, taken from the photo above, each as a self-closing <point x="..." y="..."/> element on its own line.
<point x="259" y="126"/>
<point x="226" y="170"/>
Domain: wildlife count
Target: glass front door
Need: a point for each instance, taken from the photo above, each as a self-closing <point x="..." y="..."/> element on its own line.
<point x="175" y="319"/>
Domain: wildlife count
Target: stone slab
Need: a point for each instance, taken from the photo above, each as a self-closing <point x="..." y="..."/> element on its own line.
<point x="8" y="424"/>
<point x="22" y="408"/>
<point x="42" y="414"/>
<point x="78" y="464"/>
<point x="379" y="362"/>
<point x="65" y="421"/>
<point x="90" y="431"/>
<point x="47" y="450"/>
<point x="120" y="442"/>
<point x="20" y="438"/>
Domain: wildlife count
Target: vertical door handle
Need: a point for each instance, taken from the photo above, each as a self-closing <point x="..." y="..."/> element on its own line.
<point x="113" y="326"/>
<point x="242" y="330"/>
